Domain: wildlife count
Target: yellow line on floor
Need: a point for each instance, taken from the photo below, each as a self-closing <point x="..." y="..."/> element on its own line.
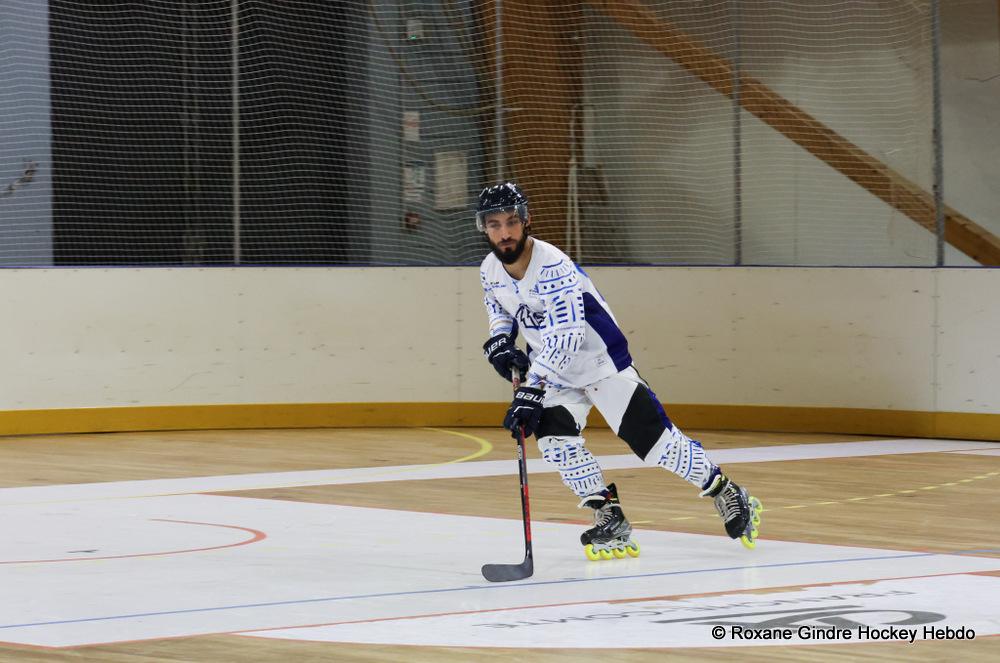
<point x="909" y="491"/>
<point x="484" y="446"/>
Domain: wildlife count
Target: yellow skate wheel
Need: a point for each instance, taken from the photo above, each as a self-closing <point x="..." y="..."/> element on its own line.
<point x="591" y="554"/>
<point x="605" y="554"/>
<point x="632" y="549"/>
<point x="748" y="543"/>
<point x="755" y="508"/>
<point x="619" y="553"/>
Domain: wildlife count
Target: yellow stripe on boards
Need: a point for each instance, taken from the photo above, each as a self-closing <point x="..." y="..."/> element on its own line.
<point x="897" y="423"/>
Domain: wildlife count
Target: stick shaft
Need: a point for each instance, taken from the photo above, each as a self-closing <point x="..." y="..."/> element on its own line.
<point x="522" y="466"/>
<point x="508" y="572"/>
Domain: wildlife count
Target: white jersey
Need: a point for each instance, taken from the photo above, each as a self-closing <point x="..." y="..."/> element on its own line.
<point x="573" y="339"/>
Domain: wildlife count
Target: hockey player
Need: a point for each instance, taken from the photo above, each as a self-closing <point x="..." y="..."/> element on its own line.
<point x="577" y="358"/>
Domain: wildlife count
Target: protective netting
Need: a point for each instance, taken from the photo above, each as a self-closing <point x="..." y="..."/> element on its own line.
<point x="360" y="132"/>
<point x="711" y="129"/>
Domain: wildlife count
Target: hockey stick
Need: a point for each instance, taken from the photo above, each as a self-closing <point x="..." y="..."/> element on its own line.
<point x="508" y="572"/>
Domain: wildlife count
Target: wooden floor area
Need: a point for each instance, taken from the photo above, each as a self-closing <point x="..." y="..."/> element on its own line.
<point x="936" y="502"/>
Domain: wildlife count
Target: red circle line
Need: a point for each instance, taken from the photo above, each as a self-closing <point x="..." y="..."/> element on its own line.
<point x="257" y="535"/>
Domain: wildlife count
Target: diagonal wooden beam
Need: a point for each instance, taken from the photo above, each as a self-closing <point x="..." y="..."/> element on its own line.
<point x="542" y="82"/>
<point x="803" y="129"/>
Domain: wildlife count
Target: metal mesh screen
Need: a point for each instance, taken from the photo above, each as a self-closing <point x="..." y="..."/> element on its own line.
<point x="359" y="132"/>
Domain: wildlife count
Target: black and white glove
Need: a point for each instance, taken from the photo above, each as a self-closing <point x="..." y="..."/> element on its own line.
<point x="525" y="411"/>
<point x="505" y="356"/>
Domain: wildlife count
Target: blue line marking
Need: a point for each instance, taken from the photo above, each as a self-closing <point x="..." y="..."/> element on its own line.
<point x="477" y="588"/>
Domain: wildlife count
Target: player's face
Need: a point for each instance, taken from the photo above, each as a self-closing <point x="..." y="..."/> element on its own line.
<point x="507" y="235"/>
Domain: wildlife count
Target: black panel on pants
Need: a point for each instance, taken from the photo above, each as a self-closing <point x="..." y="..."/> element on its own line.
<point x="557" y="421"/>
<point x="642" y="424"/>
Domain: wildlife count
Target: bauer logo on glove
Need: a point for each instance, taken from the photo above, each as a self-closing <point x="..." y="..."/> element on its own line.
<point x="525" y="411"/>
<point x="505" y="356"/>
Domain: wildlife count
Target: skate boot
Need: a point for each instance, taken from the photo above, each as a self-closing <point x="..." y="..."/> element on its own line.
<point x="739" y="509"/>
<point x="611" y="535"/>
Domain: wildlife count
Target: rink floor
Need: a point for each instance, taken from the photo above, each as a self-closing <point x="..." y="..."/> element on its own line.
<point x="122" y="561"/>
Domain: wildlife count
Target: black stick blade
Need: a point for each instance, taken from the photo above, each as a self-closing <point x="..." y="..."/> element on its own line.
<point x="508" y="572"/>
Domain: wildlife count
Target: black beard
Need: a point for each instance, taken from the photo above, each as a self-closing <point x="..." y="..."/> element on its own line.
<point x="509" y="256"/>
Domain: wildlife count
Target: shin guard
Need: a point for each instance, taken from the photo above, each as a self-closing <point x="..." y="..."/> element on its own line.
<point x="683" y="456"/>
<point x="577" y="466"/>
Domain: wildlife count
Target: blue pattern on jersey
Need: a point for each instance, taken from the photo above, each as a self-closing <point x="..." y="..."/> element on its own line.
<point x="563" y="331"/>
<point x="597" y="317"/>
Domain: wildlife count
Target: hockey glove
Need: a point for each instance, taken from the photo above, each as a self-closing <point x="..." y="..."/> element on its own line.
<point x="505" y="356"/>
<point x="525" y="411"/>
